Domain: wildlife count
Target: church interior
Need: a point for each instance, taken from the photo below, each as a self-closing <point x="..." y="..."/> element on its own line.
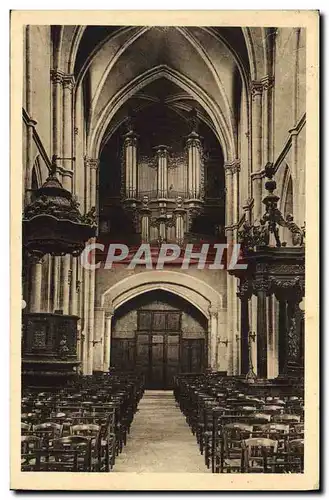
<point x="163" y="135"/>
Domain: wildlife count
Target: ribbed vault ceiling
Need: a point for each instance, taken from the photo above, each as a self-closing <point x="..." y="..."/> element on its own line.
<point x="208" y="66"/>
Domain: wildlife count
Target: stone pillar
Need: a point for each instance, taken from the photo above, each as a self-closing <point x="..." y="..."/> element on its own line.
<point x="98" y="343"/>
<point x="56" y="282"/>
<point x="31" y="123"/>
<point x="79" y="343"/>
<point x="253" y="324"/>
<point x="261" y="330"/>
<point x="282" y="334"/>
<point x="36" y="284"/>
<point x="73" y="288"/>
<point x="107" y="340"/>
<point x="222" y="341"/>
<point x="29" y="161"/>
<point x="267" y="82"/>
<point x="57" y="80"/>
<point x="297" y="170"/>
<point x="130" y="164"/>
<point x="229" y="168"/>
<point x="194" y="159"/>
<point x="229" y="215"/>
<point x="93" y="167"/>
<point x="272" y="370"/>
<point x="235" y="170"/>
<point x="68" y="85"/>
<point x="244" y="294"/>
<point x="213" y="334"/>
<point x="85" y="309"/>
<point x="256" y="117"/>
<point x="65" y="283"/>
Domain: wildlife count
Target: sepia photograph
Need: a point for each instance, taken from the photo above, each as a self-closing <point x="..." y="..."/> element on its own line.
<point x="167" y="187"/>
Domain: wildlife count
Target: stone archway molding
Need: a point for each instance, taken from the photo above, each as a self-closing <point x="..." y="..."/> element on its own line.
<point x="195" y="291"/>
<point x="198" y="293"/>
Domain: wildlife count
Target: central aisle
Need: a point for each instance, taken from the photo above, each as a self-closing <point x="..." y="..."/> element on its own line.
<point x="160" y="440"/>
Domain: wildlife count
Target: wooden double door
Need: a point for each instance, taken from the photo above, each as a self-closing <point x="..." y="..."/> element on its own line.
<point x="161" y="352"/>
<point x="158" y="343"/>
<point x="158" y="349"/>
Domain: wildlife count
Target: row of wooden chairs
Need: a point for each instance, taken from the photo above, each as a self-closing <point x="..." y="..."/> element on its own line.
<point x="79" y="428"/>
<point x="238" y="430"/>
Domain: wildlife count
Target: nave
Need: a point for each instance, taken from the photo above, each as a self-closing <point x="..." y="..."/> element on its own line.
<point x="160" y="439"/>
<point x="108" y="423"/>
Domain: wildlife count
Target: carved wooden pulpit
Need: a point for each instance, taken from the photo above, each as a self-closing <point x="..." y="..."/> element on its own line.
<point x="273" y="269"/>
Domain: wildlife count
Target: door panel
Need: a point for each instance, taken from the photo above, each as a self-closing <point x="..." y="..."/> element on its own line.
<point x="123" y="354"/>
<point x="160" y="351"/>
<point x="159" y="321"/>
<point x="157" y="363"/>
<point x="192" y="355"/>
<point x="174" y="321"/>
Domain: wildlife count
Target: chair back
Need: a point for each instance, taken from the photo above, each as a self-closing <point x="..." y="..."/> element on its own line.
<point x="257" y="454"/>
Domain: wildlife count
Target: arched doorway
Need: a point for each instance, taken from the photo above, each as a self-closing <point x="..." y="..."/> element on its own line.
<point x="160" y="335"/>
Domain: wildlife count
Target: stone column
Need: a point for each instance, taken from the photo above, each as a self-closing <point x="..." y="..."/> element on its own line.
<point x="272" y="371"/>
<point x="229" y="168"/>
<point x="162" y="152"/>
<point x="85" y="309"/>
<point x="107" y="339"/>
<point x="31" y="123"/>
<point x="213" y="332"/>
<point x="73" y="288"/>
<point x="36" y="284"/>
<point x="68" y="85"/>
<point x="244" y="294"/>
<point x="256" y="117"/>
<point x="79" y="343"/>
<point x="56" y="282"/>
<point x="93" y="167"/>
<point x="130" y="164"/>
<point x="57" y="80"/>
<point x="235" y="171"/>
<point x="261" y="289"/>
<point x="194" y="161"/>
<point x="229" y="215"/>
<point x="91" y="305"/>
<point x="29" y="161"/>
<point x="253" y="328"/>
<point x="267" y="82"/>
<point x="65" y="283"/>
<point x="99" y="340"/>
<point x="222" y="341"/>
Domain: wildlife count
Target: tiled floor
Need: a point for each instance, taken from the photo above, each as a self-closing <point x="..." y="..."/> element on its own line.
<point x="160" y="439"/>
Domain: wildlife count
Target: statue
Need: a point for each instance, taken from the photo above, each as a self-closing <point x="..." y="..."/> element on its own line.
<point x="63" y="347"/>
<point x="297" y="232"/>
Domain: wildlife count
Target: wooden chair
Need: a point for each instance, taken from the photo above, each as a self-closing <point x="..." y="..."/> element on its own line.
<point x="231" y="449"/>
<point x="259" y="455"/>
<point x="286" y="418"/>
<point x="296" y="455"/>
<point x="52" y="461"/>
<point x="25" y="428"/>
<point x="28" y="446"/>
<point x="272" y="409"/>
<point x="47" y="432"/>
<point x="99" y="447"/>
<point x="77" y="453"/>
